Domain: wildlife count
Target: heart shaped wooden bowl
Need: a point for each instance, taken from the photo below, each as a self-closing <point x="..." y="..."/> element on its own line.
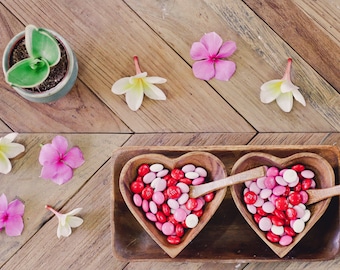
<point x="324" y="177"/>
<point x="216" y="171"/>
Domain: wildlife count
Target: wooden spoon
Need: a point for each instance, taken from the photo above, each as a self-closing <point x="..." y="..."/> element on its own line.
<point x="200" y="190"/>
<point x="316" y="195"/>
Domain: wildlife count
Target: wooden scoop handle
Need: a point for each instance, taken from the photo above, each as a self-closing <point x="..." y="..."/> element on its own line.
<point x="200" y="190"/>
<point x="316" y="195"/>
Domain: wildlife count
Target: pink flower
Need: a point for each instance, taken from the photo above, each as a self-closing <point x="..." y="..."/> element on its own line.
<point x="209" y="53"/>
<point x="58" y="164"/>
<point x="11" y="216"/>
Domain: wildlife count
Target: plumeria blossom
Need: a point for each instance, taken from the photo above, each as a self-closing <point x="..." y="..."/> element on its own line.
<point x="209" y="53"/>
<point x="9" y="149"/>
<point x="136" y="86"/>
<point x="57" y="162"/>
<point x="11" y="216"/>
<point x="66" y="221"/>
<point x="282" y="91"/>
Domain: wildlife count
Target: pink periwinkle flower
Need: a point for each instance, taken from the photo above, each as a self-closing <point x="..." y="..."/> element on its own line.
<point x="209" y="53"/>
<point x="11" y="216"/>
<point x="57" y="162"/>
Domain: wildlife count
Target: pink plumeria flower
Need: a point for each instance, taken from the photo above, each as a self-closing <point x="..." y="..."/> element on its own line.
<point x="66" y="221"/>
<point x="11" y="216"/>
<point x="9" y="149"/>
<point x="282" y="91"/>
<point x="209" y="53"/>
<point x="57" y="162"/>
<point x="135" y="87"/>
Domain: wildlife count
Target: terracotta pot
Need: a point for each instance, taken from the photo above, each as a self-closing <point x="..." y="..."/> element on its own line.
<point x="62" y="88"/>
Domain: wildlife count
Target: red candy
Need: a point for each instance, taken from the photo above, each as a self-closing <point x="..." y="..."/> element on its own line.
<point x="173" y="239"/>
<point x="250" y="197"/>
<point x="281" y="203"/>
<point x="143" y="169"/>
<point x="177" y="174"/>
<point x="173" y="192"/>
<point x="294" y="198"/>
<point x="147" y="193"/>
<point x="191" y="204"/>
<point x="137" y="186"/>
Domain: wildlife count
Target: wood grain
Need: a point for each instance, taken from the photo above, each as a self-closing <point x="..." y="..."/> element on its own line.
<point x="305" y="37"/>
<point x="256" y="61"/>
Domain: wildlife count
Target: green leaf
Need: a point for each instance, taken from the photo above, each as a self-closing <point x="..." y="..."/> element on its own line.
<point x="28" y="73"/>
<point x="41" y="44"/>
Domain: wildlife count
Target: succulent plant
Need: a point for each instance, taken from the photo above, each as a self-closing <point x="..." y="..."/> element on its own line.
<point x="44" y="53"/>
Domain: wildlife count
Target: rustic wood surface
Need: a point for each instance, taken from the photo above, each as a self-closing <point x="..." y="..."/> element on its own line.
<point x="105" y="35"/>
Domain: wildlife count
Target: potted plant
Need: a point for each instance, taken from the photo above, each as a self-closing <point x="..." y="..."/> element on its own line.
<point x="40" y="65"/>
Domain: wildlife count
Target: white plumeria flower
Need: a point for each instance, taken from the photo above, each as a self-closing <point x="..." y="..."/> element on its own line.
<point x="136" y="86"/>
<point x="66" y="221"/>
<point x="8" y="150"/>
<point x="282" y="91"/>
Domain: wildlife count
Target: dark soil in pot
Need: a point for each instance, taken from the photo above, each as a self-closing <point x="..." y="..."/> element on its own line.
<point x="57" y="72"/>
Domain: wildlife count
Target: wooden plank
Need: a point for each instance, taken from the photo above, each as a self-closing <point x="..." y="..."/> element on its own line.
<point x="289" y="138"/>
<point x="24" y="182"/>
<point x="303" y="35"/>
<point x="190" y="139"/>
<point x="105" y="50"/>
<point x="79" y="111"/>
<point x="325" y="14"/>
<point x="4" y="127"/>
<point x="256" y="61"/>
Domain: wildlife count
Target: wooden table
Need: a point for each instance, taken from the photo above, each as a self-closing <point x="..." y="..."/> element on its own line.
<point x="105" y="35"/>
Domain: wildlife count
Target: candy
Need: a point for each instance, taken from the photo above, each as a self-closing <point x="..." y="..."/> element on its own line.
<point x="277" y="202"/>
<point x="164" y="197"/>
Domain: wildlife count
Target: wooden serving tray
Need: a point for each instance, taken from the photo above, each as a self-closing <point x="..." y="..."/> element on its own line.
<point x="227" y="237"/>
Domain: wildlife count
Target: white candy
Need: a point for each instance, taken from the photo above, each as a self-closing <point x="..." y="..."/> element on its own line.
<point x="265" y="224"/>
<point x="251" y="208"/>
<point x="201" y="171"/>
<point x="157" y="167"/>
<point x="290" y="176"/>
<point x="268" y="207"/>
<point x="173" y="204"/>
<point x="307" y="174"/>
<point x="254" y="188"/>
<point x="306" y="216"/>
<point x="192" y="175"/>
<point x="298" y="225"/>
<point x="184" y="187"/>
<point x="188" y="168"/>
<point x="278" y="230"/>
<point x="183" y="198"/>
<point x="191" y="221"/>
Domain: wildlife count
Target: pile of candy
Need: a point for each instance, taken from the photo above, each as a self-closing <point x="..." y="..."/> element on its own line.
<point x="277" y="202"/>
<point x="164" y="197"/>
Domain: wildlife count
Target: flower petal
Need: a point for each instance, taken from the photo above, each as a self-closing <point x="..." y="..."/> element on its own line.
<point x="285" y="101"/>
<point x="224" y="70"/>
<point x="153" y="92"/>
<point x="14" y="225"/>
<point x="11" y="150"/>
<point x="212" y="42"/>
<point x="64" y="230"/>
<point x="204" y="69"/>
<point x="16" y="207"/>
<point x="121" y="86"/>
<point x="198" y="51"/>
<point x="3" y="203"/>
<point x="11" y="136"/>
<point x="74" y="222"/>
<point x="134" y="97"/>
<point x="270" y="91"/>
<point x="74" y="212"/>
<point x="5" y="164"/>
<point x="155" y="80"/>
<point x="74" y="158"/>
<point x="288" y="86"/>
<point x="48" y="154"/>
<point x="227" y="49"/>
<point x="60" y="143"/>
<point x="299" y="97"/>
<point x="59" y="173"/>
